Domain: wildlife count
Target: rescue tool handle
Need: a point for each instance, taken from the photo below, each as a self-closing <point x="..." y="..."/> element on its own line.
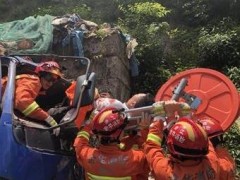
<point x="179" y="90"/>
<point x="149" y="109"/>
<point x="141" y="109"/>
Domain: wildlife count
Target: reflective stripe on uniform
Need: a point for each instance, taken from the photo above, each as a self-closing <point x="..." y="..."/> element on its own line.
<point x="95" y="177"/>
<point x="19" y="76"/>
<point x="122" y="146"/>
<point x="154" y="138"/>
<point x="26" y="76"/>
<point x="84" y="134"/>
<point x="32" y="107"/>
<point x="53" y="123"/>
<point x="135" y="146"/>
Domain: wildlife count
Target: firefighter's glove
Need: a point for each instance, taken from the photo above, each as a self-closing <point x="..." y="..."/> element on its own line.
<point x="185" y="110"/>
<point x="165" y="109"/>
<point x="158" y="109"/>
<point x="53" y="123"/>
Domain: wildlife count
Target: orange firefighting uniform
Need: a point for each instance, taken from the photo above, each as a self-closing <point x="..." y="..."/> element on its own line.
<point x="134" y="141"/>
<point x="227" y="163"/>
<point x="27" y="88"/>
<point x="108" y="162"/>
<point x="171" y="168"/>
<point x="70" y="91"/>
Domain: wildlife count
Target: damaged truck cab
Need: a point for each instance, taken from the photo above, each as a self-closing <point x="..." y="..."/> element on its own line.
<point x="29" y="150"/>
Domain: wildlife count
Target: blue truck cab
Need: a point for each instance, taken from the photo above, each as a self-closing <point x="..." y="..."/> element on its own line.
<point x="29" y="150"/>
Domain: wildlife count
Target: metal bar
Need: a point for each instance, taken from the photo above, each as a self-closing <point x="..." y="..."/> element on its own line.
<point x="141" y="109"/>
<point x="179" y="91"/>
<point x="21" y="60"/>
<point x="8" y="98"/>
<point x="1" y="83"/>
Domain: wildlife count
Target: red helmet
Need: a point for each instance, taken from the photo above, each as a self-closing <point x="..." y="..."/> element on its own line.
<point x="188" y="139"/>
<point x="211" y="126"/>
<point x="109" y="123"/>
<point x="50" y="67"/>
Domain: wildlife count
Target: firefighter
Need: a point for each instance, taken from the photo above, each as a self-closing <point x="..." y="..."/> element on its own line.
<point x="191" y="155"/>
<point x="134" y="138"/>
<point x="108" y="161"/>
<point x="29" y="86"/>
<point x="226" y="161"/>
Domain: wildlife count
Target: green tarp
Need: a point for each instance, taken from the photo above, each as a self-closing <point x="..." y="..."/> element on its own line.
<point x="33" y="35"/>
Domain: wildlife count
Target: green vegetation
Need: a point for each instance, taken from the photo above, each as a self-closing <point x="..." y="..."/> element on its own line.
<point x="172" y="35"/>
<point x="232" y="142"/>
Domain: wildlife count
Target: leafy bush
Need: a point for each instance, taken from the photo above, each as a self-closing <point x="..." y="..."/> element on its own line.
<point x="59" y="10"/>
<point x="234" y="74"/>
<point x="233" y="135"/>
<point x="145" y="22"/>
<point x="232" y="142"/>
<point x="219" y="46"/>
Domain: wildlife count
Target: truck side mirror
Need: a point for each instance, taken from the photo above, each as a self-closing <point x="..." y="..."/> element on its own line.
<point x="88" y="93"/>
